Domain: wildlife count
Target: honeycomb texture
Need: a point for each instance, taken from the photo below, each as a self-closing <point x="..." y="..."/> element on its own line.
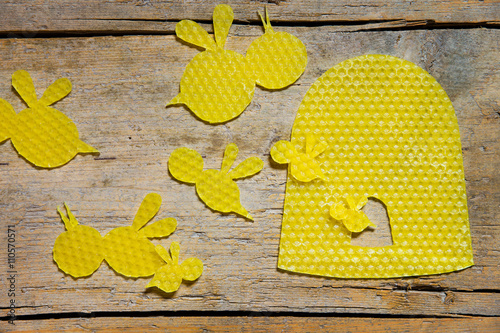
<point x="169" y="277"/>
<point x="352" y="217"/>
<point x="216" y="188"/>
<point x="80" y="250"/>
<point x="277" y="59"/>
<point x="218" y="85"/>
<point x="303" y="167"/>
<point x="42" y="135"/>
<point x="392" y="134"/>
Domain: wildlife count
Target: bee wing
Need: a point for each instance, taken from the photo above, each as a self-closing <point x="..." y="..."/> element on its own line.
<point x="283" y="151"/>
<point x="223" y="19"/>
<point x="56" y="91"/>
<point x="160" y="229"/>
<point x="318" y="149"/>
<point x="338" y="211"/>
<point x="191" y="269"/>
<point x="191" y="32"/>
<point x="163" y="253"/>
<point x="174" y="252"/>
<point x="22" y="82"/>
<point x="148" y="209"/>
<point x="185" y="165"/>
<point x="230" y="155"/>
<point x="248" y="167"/>
<point x="361" y="203"/>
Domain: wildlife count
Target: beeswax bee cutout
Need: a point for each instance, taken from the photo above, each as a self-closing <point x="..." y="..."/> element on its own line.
<point x="303" y="167"/>
<point x="218" y="84"/>
<point x="42" y="135"/>
<point x="80" y="250"/>
<point x="277" y="59"/>
<point x="169" y="277"/>
<point x="352" y="217"/>
<point x="128" y="249"/>
<point x="216" y="188"/>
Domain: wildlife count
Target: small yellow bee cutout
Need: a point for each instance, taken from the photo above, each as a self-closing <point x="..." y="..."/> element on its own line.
<point x="216" y="188"/>
<point x="218" y="84"/>
<point x="303" y="167"/>
<point x="80" y="250"/>
<point x="353" y="218"/>
<point x="41" y="134"/>
<point x="169" y="277"/>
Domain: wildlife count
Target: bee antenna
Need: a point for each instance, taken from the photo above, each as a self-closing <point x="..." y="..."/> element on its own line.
<point x="70" y="220"/>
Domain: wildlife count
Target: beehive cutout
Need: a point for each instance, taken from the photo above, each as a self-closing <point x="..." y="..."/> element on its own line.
<point x="218" y="84"/>
<point x="391" y="133"/>
<point x="80" y="250"/>
<point x="216" y="188"/>
<point x="42" y="135"/>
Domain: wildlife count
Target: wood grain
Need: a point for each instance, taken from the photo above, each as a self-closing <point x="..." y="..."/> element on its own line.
<point x="121" y="85"/>
<point x="260" y="324"/>
<point x="28" y="17"/>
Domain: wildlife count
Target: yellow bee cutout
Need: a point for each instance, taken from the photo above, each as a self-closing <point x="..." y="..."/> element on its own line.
<point x="218" y="84"/>
<point x="41" y="134"/>
<point x="216" y="188"/>
<point x="352" y="217"/>
<point x="80" y="250"/>
<point x="303" y="167"/>
<point x="169" y="277"/>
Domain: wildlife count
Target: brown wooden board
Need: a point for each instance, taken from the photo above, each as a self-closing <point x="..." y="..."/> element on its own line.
<point x="261" y="324"/>
<point x="28" y="17"/>
<point x="120" y="88"/>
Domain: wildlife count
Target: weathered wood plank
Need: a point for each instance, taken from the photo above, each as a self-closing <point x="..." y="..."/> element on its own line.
<point x="121" y="85"/>
<point x="259" y="324"/>
<point x="31" y="16"/>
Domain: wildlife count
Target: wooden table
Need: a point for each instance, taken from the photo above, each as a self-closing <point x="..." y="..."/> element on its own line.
<point x="125" y="63"/>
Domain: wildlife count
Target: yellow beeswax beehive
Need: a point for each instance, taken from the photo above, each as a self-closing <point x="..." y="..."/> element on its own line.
<point x="391" y="133"/>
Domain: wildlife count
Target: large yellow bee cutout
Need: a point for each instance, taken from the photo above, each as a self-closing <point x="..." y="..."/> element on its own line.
<point x="81" y="249"/>
<point x="42" y="135"/>
<point x="218" y="84"/>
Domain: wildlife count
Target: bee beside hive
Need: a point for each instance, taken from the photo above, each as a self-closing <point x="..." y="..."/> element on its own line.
<point x="81" y="249"/>
<point x="391" y="133"/>
<point x="218" y="84"/>
<point x="42" y="135"/>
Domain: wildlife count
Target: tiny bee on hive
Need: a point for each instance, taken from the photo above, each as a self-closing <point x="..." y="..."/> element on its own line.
<point x="303" y="166"/>
<point x="80" y="250"/>
<point x="216" y="188"/>
<point x="353" y="218"/>
<point x="42" y="135"/>
<point x="169" y="277"/>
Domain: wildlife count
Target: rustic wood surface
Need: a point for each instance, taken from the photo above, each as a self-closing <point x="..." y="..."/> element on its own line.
<point x="120" y="87"/>
<point x="262" y="324"/>
<point x="153" y="16"/>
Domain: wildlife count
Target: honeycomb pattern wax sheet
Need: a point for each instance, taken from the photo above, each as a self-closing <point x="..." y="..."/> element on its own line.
<point x="277" y="59"/>
<point x="42" y="135"/>
<point x="218" y="84"/>
<point x="216" y="188"/>
<point x="392" y="134"/>
<point x="169" y="277"/>
<point x="80" y="250"/>
<point x="303" y="167"/>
